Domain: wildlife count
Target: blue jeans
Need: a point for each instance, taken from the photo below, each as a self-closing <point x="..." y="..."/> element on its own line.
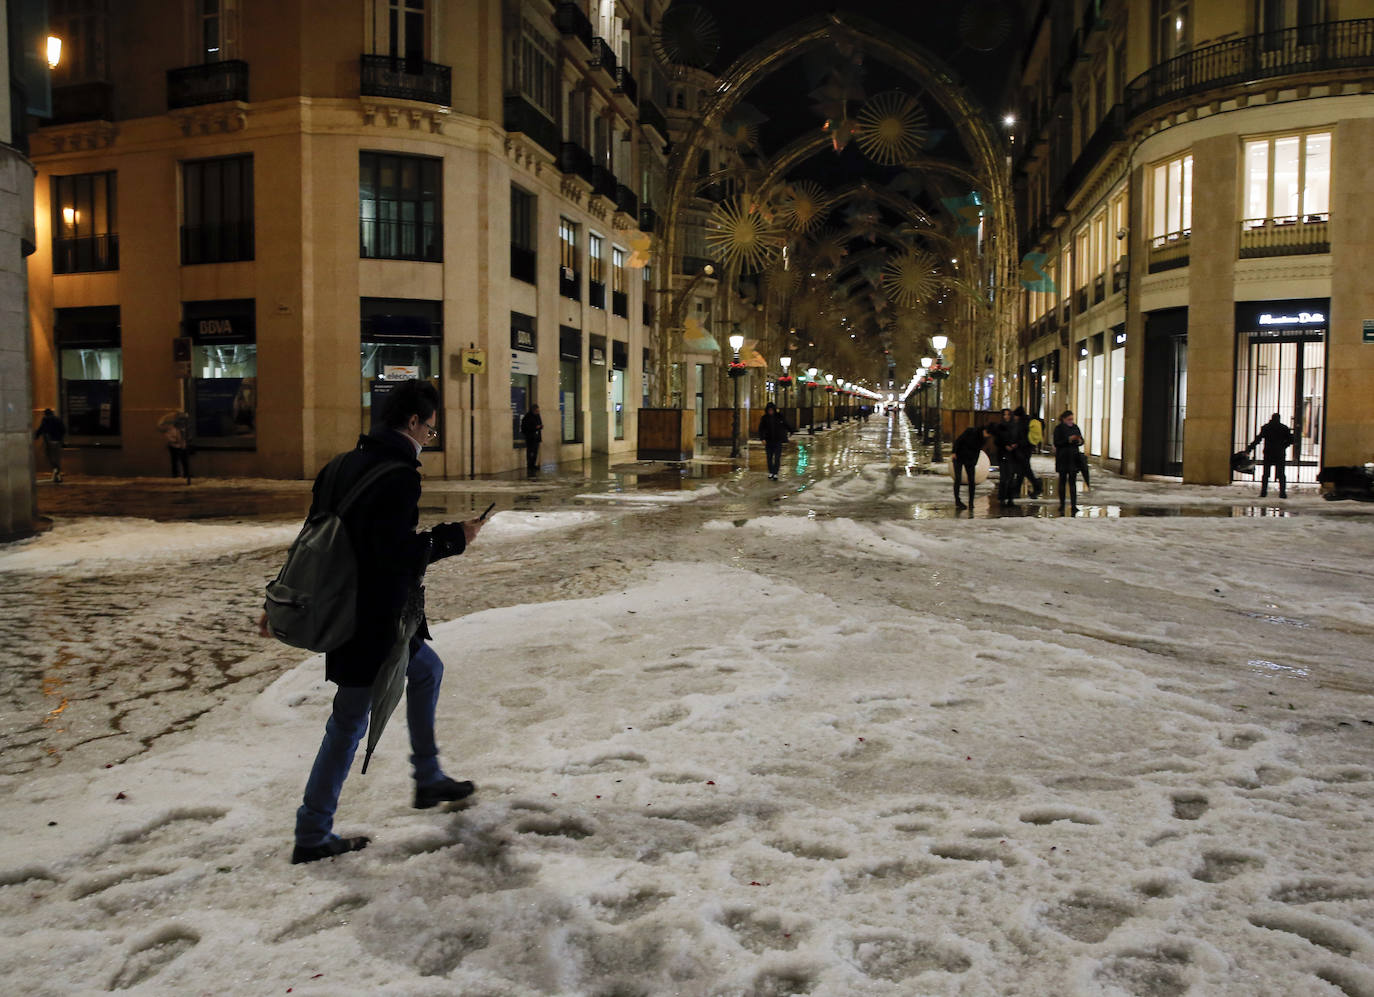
<point x="345" y="729"/>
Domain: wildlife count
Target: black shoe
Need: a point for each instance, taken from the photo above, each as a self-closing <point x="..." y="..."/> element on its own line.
<point x="332" y="847"/>
<point x="1073" y="509"/>
<point x="1263" y="493"/>
<point x="959" y="505"/>
<point x="445" y="790"/>
<point x="1037" y="491"/>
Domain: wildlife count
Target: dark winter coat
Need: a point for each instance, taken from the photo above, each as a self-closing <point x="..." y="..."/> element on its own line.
<point x="773" y="429"/>
<point x="1005" y="435"/>
<point x="532" y="427"/>
<point x="1067" y="443"/>
<point x="391" y="556"/>
<point x="969" y="445"/>
<point x="1277" y="438"/>
<point x="51" y="429"/>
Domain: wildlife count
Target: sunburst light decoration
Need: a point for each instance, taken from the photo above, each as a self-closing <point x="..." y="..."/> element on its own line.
<point x="687" y="35"/>
<point x="738" y="232"/>
<point x="803" y="206"/>
<point x="911" y="277"/>
<point x="985" y="24"/>
<point x="892" y="128"/>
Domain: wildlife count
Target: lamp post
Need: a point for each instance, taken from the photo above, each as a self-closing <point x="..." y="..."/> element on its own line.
<point x="829" y="398"/>
<point x="939" y="342"/>
<point x="736" y="369"/>
<point x="925" y="428"/>
<point x="786" y="363"/>
<point x="811" y="373"/>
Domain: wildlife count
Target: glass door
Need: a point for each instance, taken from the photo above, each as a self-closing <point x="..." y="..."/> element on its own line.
<point x="1286" y="374"/>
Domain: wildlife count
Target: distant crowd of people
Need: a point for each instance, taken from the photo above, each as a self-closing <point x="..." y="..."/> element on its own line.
<point x="1013" y="440"/>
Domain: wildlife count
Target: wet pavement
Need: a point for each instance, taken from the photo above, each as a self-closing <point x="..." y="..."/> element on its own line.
<point x="102" y="663"/>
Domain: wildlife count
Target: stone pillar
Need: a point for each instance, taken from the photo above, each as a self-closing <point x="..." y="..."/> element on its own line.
<point x="1350" y="360"/>
<point x="1212" y="312"/>
<point x="17" y="510"/>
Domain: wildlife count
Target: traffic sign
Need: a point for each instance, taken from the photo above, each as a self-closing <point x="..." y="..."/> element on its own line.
<point x="474" y="362"/>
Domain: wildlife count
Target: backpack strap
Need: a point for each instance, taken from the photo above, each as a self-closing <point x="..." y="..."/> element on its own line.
<point x="367" y="480"/>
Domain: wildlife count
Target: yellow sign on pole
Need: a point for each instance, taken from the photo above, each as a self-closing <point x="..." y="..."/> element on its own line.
<point x="474" y="362"/>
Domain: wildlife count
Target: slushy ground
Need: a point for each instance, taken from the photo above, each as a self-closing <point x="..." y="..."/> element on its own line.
<point x="731" y="737"/>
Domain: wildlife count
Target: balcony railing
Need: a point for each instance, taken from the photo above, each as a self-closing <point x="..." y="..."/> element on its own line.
<point x="648" y="218"/>
<point x="522" y="116"/>
<point x="1080" y="302"/>
<point x="603" y="182"/>
<point x="1099" y="288"/>
<point x="572" y="158"/>
<point x="625" y="83"/>
<point x="651" y="116"/>
<point x="227" y="242"/>
<point x="620" y="304"/>
<point x="210" y="83"/>
<point x="524" y="264"/>
<point x="1169" y="251"/>
<point x="571" y="22"/>
<point x="646" y="314"/>
<point x="406" y="79"/>
<point x="596" y="293"/>
<point x="1120" y="271"/>
<point x="1312" y="48"/>
<point x="394" y="239"/>
<point x="626" y="201"/>
<point x="82" y="102"/>
<point x="570" y="283"/>
<point x="1289" y="236"/>
<point x="86" y="254"/>
<point x="603" y="57"/>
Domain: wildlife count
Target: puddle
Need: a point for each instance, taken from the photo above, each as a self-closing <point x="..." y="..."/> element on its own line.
<point x="1261" y="665"/>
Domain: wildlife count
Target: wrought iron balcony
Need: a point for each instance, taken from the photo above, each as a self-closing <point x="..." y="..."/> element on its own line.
<point x="625" y="84"/>
<point x="1312" y="48"/>
<point x="85" y="254"/>
<point x="603" y="182"/>
<point x="626" y="201"/>
<point x="572" y="158"/>
<point x="650" y="116"/>
<point x="522" y="116"/>
<point x="210" y="83"/>
<point x="82" y="102"/>
<point x="602" y="57"/>
<point x="226" y="242"/>
<point x="1289" y="236"/>
<point x="571" y="22"/>
<point x="406" y="79"/>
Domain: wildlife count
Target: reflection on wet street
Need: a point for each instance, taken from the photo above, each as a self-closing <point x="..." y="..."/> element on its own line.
<point x="106" y="658"/>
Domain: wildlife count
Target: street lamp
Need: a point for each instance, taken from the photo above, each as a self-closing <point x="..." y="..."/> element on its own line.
<point x="736" y="369"/>
<point x="811" y="373"/>
<point x="829" y="398"/>
<point x="939" y="342"/>
<point x="786" y="378"/>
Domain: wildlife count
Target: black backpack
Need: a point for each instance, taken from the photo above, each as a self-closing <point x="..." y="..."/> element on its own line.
<point x="311" y="602"/>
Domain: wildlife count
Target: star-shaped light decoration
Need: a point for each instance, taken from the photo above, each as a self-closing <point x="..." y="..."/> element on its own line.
<point x="911" y="278"/>
<point x="891" y="128"/>
<point x="803" y="206"/>
<point x="738" y="232"/>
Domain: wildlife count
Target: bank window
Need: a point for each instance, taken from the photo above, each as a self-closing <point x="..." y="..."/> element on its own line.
<point x="222" y="396"/>
<point x="620" y="298"/>
<point x="85" y="237"/>
<point x="524" y="258"/>
<point x="401" y="341"/>
<point x="399" y="208"/>
<point x="569" y="277"/>
<point x="1288" y="179"/>
<point x="90" y="366"/>
<point x="217" y="210"/>
<point x="1171" y="217"/>
<point x="596" y="271"/>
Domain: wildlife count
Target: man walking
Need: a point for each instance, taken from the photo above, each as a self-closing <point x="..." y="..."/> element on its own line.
<point x="52" y="431"/>
<point x="1008" y="466"/>
<point x="392" y="559"/>
<point x="532" y="429"/>
<point x="773" y="430"/>
<point x="1277" y="438"/>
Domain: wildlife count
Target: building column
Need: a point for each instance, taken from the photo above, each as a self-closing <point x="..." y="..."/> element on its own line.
<point x="17" y="509"/>
<point x="1349" y="359"/>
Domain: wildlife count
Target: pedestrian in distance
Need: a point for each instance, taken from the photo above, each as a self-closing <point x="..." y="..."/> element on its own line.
<point x="1008" y="464"/>
<point x="52" y="431"/>
<point x="1023" y="451"/>
<point x="774" y="431"/>
<point x="1277" y="438"/>
<point x="532" y="429"/>
<point x="967" y="447"/>
<point x="391" y="558"/>
<point x="1068" y="441"/>
<point x="175" y="428"/>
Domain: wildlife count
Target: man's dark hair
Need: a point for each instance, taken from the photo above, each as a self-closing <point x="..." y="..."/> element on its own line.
<point x="770" y="405"/>
<point x="412" y="397"/>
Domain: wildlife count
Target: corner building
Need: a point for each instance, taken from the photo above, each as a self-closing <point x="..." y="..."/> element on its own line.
<point x="1197" y="175"/>
<point x="267" y="213"/>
